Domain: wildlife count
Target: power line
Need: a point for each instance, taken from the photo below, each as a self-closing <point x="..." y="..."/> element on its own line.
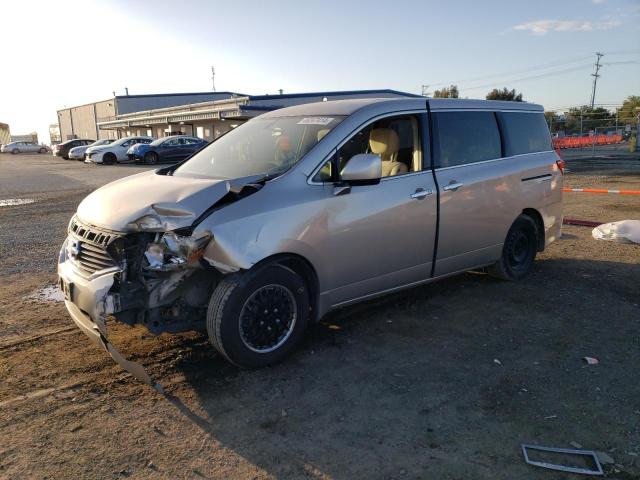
<point x="595" y="77"/>
<point x="543" y="66"/>
<point x="549" y="74"/>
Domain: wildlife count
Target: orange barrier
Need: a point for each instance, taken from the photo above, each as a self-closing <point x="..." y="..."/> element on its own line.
<point x="581" y="142"/>
<point x="602" y="190"/>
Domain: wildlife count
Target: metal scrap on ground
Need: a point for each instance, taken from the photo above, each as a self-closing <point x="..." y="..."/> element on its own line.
<point x="563" y="468"/>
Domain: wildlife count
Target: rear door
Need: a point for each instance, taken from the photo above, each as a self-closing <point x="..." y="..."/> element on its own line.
<point x="477" y="187"/>
<point x="189" y="146"/>
<point x="170" y="149"/>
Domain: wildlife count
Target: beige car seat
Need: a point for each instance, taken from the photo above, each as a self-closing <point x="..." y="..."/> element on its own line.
<point x="384" y="142"/>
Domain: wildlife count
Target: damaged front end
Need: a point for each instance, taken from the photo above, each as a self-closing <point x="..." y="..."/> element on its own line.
<point x="156" y="279"/>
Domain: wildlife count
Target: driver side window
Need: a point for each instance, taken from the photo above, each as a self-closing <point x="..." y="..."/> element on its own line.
<point x="395" y="139"/>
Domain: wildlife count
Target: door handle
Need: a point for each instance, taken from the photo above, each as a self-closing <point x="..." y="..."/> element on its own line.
<point x="452" y="186"/>
<point x="420" y="193"/>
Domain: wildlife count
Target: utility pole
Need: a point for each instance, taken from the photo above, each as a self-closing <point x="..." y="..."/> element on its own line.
<point x="595" y="78"/>
<point x="213" y="78"/>
<point x="425" y="90"/>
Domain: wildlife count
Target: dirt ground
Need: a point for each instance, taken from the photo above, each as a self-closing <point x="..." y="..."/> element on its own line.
<point x="443" y="381"/>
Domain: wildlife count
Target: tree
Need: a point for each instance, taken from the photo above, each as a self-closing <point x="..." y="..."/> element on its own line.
<point x="583" y="119"/>
<point x="447" y="92"/>
<point x="553" y="120"/>
<point x="504" y="94"/>
<point x="627" y="114"/>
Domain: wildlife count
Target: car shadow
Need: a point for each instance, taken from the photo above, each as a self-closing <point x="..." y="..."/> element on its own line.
<point x="439" y="380"/>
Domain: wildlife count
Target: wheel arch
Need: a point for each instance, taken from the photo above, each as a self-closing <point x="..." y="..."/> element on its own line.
<point x="537" y="218"/>
<point x="302" y="267"/>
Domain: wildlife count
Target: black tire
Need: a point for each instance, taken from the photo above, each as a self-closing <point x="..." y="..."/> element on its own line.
<point x="239" y="334"/>
<point x="15" y="151"/>
<point x="151" y="158"/>
<point x="519" y="250"/>
<point x="109" y="159"/>
<point x="42" y="150"/>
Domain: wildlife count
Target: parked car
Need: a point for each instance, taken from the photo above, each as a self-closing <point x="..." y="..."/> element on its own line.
<point x="115" y="151"/>
<point x="62" y="149"/>
<point x="310" y="208"/>
<point x="169" y="149"/>
<point x="78" y="153"/>
<point x="23" y="147"/>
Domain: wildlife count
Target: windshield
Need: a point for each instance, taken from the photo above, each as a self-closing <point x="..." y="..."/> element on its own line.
<point x="260" y="146"/>
<point x="105" y="141"/>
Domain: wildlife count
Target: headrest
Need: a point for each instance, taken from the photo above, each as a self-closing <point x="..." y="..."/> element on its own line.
<point x="322" y="133"/>
<point x="384" y="141"/>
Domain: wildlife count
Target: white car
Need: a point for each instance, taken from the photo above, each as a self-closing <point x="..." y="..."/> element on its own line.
<point x="23" y="147"/>
<point x="78" y="153"/>
<point x="114" y="152"/>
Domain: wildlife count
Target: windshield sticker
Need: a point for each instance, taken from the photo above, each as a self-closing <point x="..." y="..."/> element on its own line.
<point x="316" y="121"/>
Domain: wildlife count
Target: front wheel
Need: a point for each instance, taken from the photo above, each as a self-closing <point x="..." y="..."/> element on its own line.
<point x="42" y="150"/>
<point x="257" y="318"/>
<point x="109" y="159"/>
<point x="519" y="250"/>
<point x="15" y="151"/>
<point x="151" y="158"/>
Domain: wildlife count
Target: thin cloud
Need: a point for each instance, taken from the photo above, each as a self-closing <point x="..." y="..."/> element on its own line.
<point x="542" y="27"/>
<point x="596" y="2"/>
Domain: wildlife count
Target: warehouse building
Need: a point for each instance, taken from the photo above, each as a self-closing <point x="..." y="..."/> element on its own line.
<point x="5" y="134"/>
<point x="206" y="114"/>
<point x="82" y="121"/>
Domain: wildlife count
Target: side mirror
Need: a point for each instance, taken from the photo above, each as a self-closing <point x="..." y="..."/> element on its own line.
<point x="363" y="169"/>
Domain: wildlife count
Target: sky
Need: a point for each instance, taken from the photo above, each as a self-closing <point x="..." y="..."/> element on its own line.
<point x="62" y="53"/>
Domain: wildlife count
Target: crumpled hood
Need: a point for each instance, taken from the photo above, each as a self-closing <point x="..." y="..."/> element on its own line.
<point x="176" y="200"/>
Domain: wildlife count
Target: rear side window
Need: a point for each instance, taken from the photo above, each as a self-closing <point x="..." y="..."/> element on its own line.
<point x="465" y="137"/>
<point x="525" y="133"/>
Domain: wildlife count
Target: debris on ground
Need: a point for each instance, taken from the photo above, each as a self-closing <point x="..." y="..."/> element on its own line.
<point x="567" y="452"/>
<point x="591" y="360"/>
<point x="12" y="202"/>
<point x="575" y="444"/>
<point x="497" y="362"/>
<point x="52" y="293"/>
<point x="624" y="231"/>
<point x="604" y="458"/>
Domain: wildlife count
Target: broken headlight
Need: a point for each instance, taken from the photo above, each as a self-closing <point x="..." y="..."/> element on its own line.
<point x="172" y="251"/>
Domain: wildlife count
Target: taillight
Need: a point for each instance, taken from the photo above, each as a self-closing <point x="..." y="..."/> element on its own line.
<point x="560" y="164"/>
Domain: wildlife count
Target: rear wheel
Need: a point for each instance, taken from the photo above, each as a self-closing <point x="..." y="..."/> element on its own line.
<point x="109" y="159"/>
<point x="42" y="150"/>
<point x="151" y="158"/>
<point x="15" y="151"/>
<point x="257" y="319"/>
<point x="519" y="250"/>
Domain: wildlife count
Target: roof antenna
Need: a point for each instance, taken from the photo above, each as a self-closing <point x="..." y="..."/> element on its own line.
<point x="126" y="91"/>
<point x="213" y="78"/>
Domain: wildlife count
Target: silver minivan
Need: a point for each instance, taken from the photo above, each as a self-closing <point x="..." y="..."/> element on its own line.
<point x="310" y="208"/>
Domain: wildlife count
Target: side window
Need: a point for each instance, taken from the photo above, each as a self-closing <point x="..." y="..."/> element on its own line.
<point x="126" y="144"/>
<point x="525" y="133"/>
<point x="465" y="137"/>
<point x="395" y="139"/>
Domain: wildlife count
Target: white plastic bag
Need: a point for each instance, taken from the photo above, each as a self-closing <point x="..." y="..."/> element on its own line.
<point x="624" y="231"/>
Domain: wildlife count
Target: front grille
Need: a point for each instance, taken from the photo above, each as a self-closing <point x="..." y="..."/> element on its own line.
<point x="90" y="254"/>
